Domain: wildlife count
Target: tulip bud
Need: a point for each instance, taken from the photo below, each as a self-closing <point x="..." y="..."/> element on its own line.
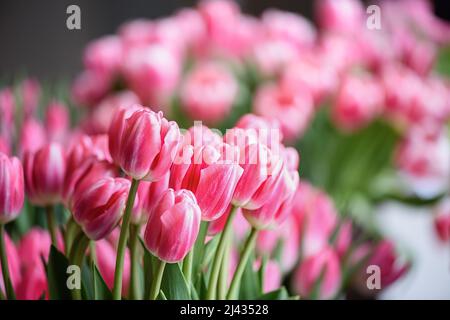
<point x="90" y="87"/>
<point x="359" y="100"/>
<point x="11" y="188"/>
<point x="292" y="108"/>
<point x="104" y="55"/>
<point x="321" y="270"/>
<point x="261" y="171"/>
<point x="346" y="16"/>
<point x="89" y="172"/>
<point x="278" y="205"/>
<point x="31" y="92"/>
<point x="208" y="93"/>
<point x="57" y="122"/>
<point x="212" y="175"/>
<point x="44" y="174"/>
<point x="143" y="143"/>
<point x="13" y="264"/>
<point x="148" y="195"/>
<point x="99" y="208"/>
<point x="32" y="136"/>
<point x="173" y="226"/>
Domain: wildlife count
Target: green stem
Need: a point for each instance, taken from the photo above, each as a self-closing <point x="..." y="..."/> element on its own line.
<point x="117" y="291"/>
<point x="51" y="224"/>
<point x="248" y="247"/>
<point x="93" y="252"/>
<point x="5" y="268"/>
<point x="224" y="271"/>
<point x="212" y="287"/>
<point x="156" y="282"/>
<point x="72" y="230"/>
<point x="76" y="257"/>
<point x="135" y="292"/>
<point x="187" y="268"/>
<point x="2" y="296"/>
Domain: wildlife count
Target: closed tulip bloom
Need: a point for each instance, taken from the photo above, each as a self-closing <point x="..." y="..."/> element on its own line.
<point x="100" y="117"/>
<point x="292" y="108"/>
<point x="147" y="198"/>
<point x="143" y="143"/>
<point x="33" y="248"/>
<point x="57" y="121"/>
<point x="442" y="220"/>
<point x="89" y="88"/>
<point x="13" y="264"/>
<point x="346" y="16"/>
<point x="11" y="188"/>
<point x="212" y="174"/>
<point x="261" y="172"/>
<point x="31" y="93"/>
<point x="152" y="72"/>
<point x="104" y="55"/>
<point x="309" y="275"/>
<point x="83" y="147"/>
<point x="173" y="226"/>
<point x="44" y="174"/>
<point x="208" y="93"/>
<point x="99" y="208"/>
<point x="89" y="172"/>
<point x="277" y="207"/>
<point x="359" y="100"/>
<point x="32" y="136"/>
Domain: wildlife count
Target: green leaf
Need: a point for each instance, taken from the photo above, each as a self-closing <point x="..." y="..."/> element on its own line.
<point x="101" y="290"/>
<point x="199" y="250"/>
<point x="87" y="283"/>
<point x="173" y="283"/>
<point x="161" y="295"/>
<point x="279" y="294"/>
<point x="250" y="285"/>
<point x="150" y="261"/>
<point x="57" y="275"/>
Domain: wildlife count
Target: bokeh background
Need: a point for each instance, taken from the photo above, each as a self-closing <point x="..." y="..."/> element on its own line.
<point x="35" y="41"/>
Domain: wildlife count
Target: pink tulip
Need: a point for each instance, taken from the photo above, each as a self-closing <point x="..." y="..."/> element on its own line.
<point x="310" y="71"/>
<point x="33" y="248"/>
<point x="89" y="172"/>
<point x="199" y="135"/>
<point x="152" y="72"/>
<point x="344" y="16"/>
<point x="7" y="107"/>
<point x="173" y="226"/>
<point x="288" y="234"/>
<point x="11" y="188"/>
<point x="271" y="56"/>
<point x="320" y="269"/>
<point x="106" y="262"/>
<point x="385" y="257"/>
<point x="31" y="93"/>
<point x="272" y="277"/>
<point x="359" y="100"/>
<point x="208" y="93"/>
<point x="212" y="174"/>
<point x="261" y="172"/>
<point x="99" y="208"/>
<point x="13" y="264"/>
<point x="44" y="174"/>
<point x="136" y="33"/>
<point x="89" y="88"/>
<point x="104" y="55"/>
<point x="143" y="143"/>
<point x="442" y="220"/>
<point x="32" y="136"/>
<point x="100" y="117"/>
<point x="57" y="122"/>
<point x="82" y="147"/>
<point x="292" y="108"/>
<point x="289" y="27"/>
<point x="148" y="197"/>
<point x="278" y="205"/>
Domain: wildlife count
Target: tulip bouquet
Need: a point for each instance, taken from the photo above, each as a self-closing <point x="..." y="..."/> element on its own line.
<point x="172" y="170"/>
